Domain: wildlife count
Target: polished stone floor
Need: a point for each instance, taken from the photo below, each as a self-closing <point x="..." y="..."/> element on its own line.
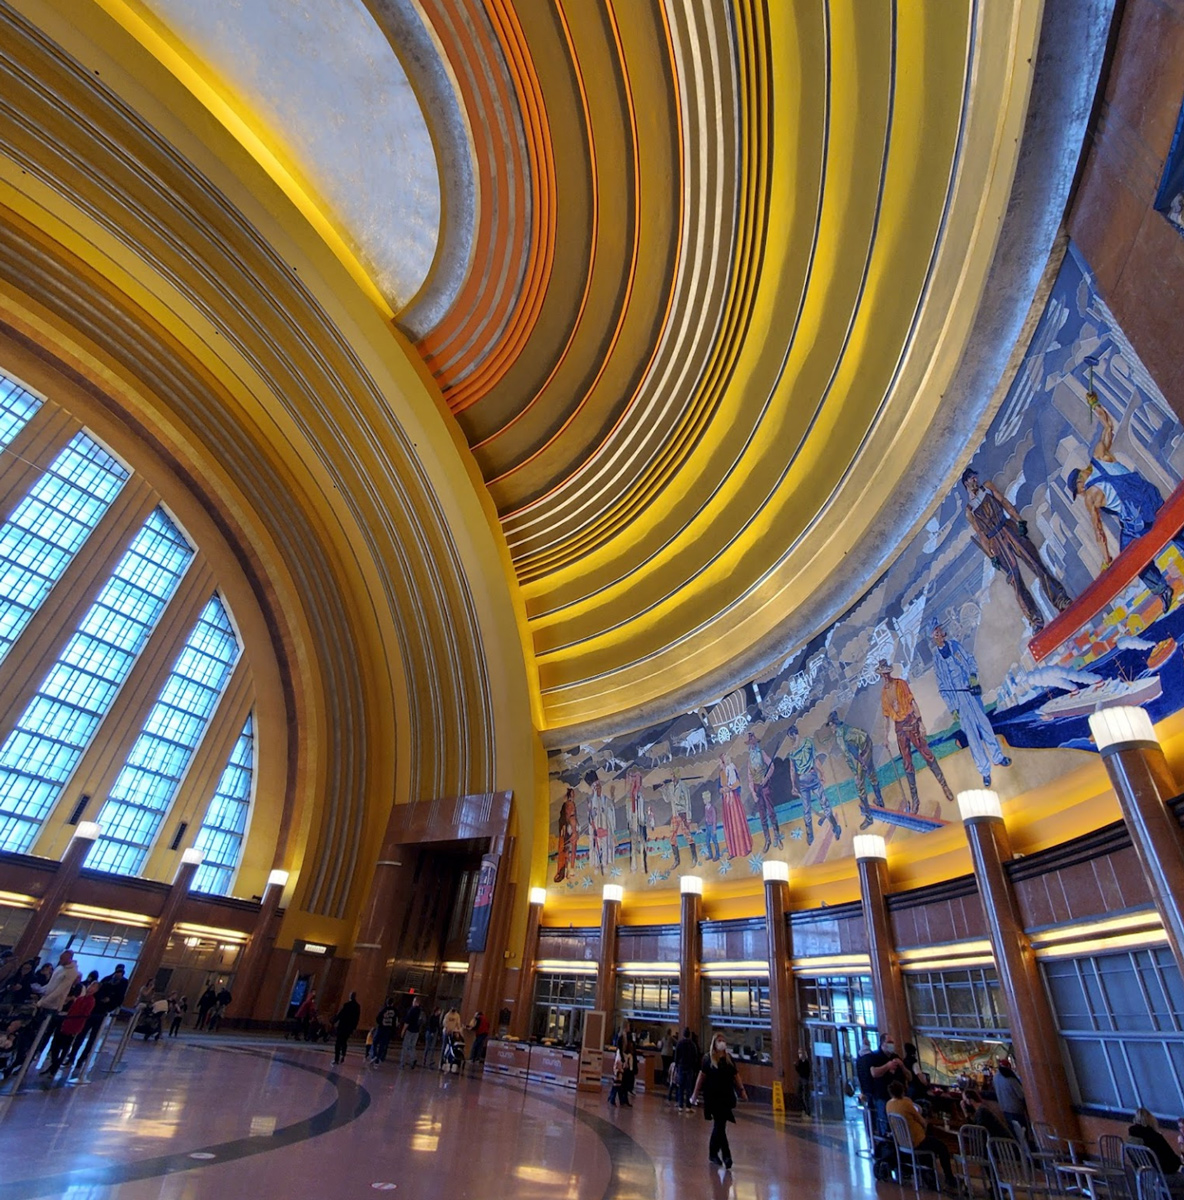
<point x="226" y="1118"/>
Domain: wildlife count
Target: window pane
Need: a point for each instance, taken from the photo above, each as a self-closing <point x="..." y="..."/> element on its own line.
<point x="49" y="526"/>
<point x="17" y="408"/>
<point x="220" y="839"/>
<point x="38" y="756"/>
<point x="144" y="789"/>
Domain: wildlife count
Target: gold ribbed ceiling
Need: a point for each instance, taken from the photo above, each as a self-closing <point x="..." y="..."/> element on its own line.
<point x="724" y="259"/>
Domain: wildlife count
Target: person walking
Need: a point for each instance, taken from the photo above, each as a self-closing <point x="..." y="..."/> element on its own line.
<point x="303" y="1018"/>
<point x="178" y="1007"/>
<point x="686" y="1067"/>
<point x="411" y="1026"/>
<point x="222" y="1003"/>
<point x="666" y="1053"/>
<point x="719" y="1081"/>
<point x="346" y="1022"/>
<point x="480" y="1027"/>
<point x="384" y="1029"/>
<point x="53" y="997"/>
<point x="453" y="1055"/>
<point x="1009" y="1095"/>
<point x="205" y="1005"/>
<point x="623" y="1067"/>
<point x="71" y="1028"/>
<point x="803" y="1069"/>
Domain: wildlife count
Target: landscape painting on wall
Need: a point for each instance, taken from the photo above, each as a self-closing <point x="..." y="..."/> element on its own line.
<point x="1048" y="582"/>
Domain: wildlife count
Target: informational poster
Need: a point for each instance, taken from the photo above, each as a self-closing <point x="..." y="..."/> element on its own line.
<point x="482" y="905"/>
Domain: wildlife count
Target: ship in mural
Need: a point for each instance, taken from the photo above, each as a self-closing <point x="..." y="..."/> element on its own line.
<point x="1048" y="582"/>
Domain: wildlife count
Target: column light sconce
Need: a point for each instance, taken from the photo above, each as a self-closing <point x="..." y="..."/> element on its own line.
<point x="773" y="870"/>
<point x="691" y="885"/>
<point x="192" y="855"/>
<point x="613" y="891"/>
<point x="538" y="895"/>
<point x="88" y="831"/>
<point x="1122" y="726"/>
<point x="870" y="845"/>
<point x="277" y="879"/>
<point x="979" y="803"/>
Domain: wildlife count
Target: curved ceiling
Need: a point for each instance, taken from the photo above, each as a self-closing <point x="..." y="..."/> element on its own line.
<point x="721" y="265"/>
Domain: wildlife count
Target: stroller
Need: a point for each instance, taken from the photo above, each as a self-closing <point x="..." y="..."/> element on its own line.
<point x="452" y="1058"/>
<point x="151" y="1022"/>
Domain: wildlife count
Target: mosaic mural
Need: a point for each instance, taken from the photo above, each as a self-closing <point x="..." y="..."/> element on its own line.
<point x="1049" y="582"/>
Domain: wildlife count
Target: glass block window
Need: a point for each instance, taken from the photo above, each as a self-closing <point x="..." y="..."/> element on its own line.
<point x="220" y="838"/>
<point x="145" y="788"/>
<point x="1121" y="1021"/>
<point x="48" y="528"/>
<point x="43" y="749"/>
<point x="17" y="408"/>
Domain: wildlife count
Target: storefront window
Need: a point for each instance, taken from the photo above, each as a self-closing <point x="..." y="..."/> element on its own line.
<point x="650" y="1004"/>
<point x="960" y="1021"/>
<point x="739" y="1008"/>
<point x="560" y="1001"/>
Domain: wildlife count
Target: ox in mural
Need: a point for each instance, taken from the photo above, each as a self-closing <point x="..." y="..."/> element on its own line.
<point x="1049" y="581"/>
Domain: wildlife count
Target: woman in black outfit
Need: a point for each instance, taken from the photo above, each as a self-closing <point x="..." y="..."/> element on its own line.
<point x="1146" y="1130"/>
<point x="719" y="1081"/>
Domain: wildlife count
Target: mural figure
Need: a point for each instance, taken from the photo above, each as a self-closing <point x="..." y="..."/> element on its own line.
<point x="635" y="815"/>
<point x="900" y="710"/>
<point x="760" y="775"/>
<point x="957" y="681"/>
<point x="1119" y="491"/>
<point x="569" y="835"/>
<point x="710" y="830"/>
<point x="680" y="819"/>
<point x="857" y="747"/>
<point x="1002" y="535"/>
<point x="806" y="783"/>
<point x="736" y="833"/>
<point x="602" y="826"/>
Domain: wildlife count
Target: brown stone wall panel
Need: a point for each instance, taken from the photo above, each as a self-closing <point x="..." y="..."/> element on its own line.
<point x="1108" y="888"/>
<point x="1080" y="888"/>
<point x="1033" y="902"/>
<point x="941" y="922"/>
<point x="853" y="937"/>
<point x="904" y="927"/>
<point x="1149" y="66"/>
<point x="1132" y="883"/>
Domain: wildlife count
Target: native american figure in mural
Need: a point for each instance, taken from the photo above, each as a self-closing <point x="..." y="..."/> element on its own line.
<point x="636" y="816"/>
<point x="1002" y="535"/>
<point x="900" y="710"/>
<point x="1111" y="488"/>
<point x="680" y="818"/>
<point x="760" y="776"/>
<point x="569" y="835"/>
<point x="737" y="837"/>
<point x="957" y="681"/>
<point x="806" y="783"/>
<point x="602" y="826"/>
<point x="858" y="748"/>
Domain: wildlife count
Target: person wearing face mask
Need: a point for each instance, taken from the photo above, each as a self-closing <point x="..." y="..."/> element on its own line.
<point x="719" y="1081"/>
<point x="886" y="1069"/>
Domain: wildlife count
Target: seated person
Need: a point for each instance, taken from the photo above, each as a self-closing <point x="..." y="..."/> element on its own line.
<point x="922" y="1139"/>
<point x="918" y="1090"/>
<point x="1146" y="1130"/>
<point x="979" y="1112"/>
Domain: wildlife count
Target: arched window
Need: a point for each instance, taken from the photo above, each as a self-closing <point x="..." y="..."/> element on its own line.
<point x="145" y="788"/>
<point x="220" y="839"/>
<point x="56" y="726"/>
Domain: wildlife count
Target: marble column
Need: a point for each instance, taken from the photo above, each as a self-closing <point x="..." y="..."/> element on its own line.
<point x="248" y="976"/>
<point x="690" y="986"/>
<point x="50" y="905"/>
<point x="783" y="1001"/>
<point x="606" y="975"/>
<point x="1033" y="1031"/>
<point x="1142" y="779"/>
<point x="524" y="1004"/>
<point x="892" y="1011"/>
<point x="158" y="936"/>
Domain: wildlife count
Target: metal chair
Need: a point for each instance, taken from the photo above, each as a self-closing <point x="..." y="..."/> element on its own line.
<point x="905" y="1152"/>
<point x="1015" y="1177"/>
<point x="1137" y="1159"/>
<point x="1110" y="1149"/>
<point x="971" y="1163"/>
<point x="1151" y="1185"/>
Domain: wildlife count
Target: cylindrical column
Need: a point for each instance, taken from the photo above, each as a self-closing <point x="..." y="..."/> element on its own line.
<point x="1143" y="781"/>
<point x="690" y="989"/>
<point x="606" y="977"/>
<point x="158" y="936"/>
<point x="369" y="972"/>
<point x="248" y="977"/>
<point x="37" y="930"/>
<point x="1033" y="1031"/>
<point x="783" y="1001"/>
<point x="892" y="1011"/>
<point x="524" y="1004"/>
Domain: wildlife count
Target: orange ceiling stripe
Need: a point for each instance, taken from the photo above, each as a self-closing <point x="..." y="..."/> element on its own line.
<point x="633" y="265"/>
<point x="543" y="211"/>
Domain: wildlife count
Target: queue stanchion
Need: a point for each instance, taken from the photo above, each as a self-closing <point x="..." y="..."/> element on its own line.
<point x="87" y="1066"/>
<point x="127" y="1036"/>
<point x="30" y="1058"/>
